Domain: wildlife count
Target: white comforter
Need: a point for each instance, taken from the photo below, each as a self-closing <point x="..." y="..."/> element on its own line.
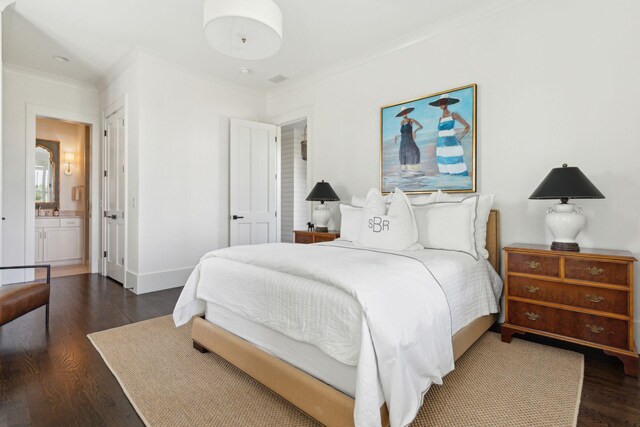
<point x="385" y="312"/>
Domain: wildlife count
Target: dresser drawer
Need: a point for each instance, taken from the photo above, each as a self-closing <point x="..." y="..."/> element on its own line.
<point x="47" y="222"/>
<point x="601" y="330"/>
<point x="607" y="300"/>
<point x="597" y="271"/>
<point x="319" y="238"/>
<point x="304" y="238"/>
<point x="70" y="222"/>
<point x="534" y="264"/>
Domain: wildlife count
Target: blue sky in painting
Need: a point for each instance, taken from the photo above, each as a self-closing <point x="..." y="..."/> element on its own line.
<point x="425" y="114"/>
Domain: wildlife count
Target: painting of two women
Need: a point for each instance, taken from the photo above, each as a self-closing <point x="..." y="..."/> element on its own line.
<point x="429" y="144"/>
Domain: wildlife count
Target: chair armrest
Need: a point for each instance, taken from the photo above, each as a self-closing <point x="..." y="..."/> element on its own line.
<point x="26" y="267"/>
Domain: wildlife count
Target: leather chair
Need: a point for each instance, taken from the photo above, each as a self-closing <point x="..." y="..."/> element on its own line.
<point x="21" y="298"/>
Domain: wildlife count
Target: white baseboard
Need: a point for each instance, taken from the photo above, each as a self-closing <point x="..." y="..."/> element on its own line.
<point x="157" y="281"/>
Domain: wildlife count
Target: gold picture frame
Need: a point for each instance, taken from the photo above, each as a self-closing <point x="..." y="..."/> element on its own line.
<point x="430" y="143"/>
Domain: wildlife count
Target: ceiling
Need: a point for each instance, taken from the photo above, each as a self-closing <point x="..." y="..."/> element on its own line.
<point x="95" y="34"/>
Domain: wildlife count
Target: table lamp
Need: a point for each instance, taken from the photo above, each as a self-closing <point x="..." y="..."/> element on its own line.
<point x="565" y="220"/>
<point x="322" y="192"/>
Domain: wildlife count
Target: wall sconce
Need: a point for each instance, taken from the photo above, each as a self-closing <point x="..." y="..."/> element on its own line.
<point x="69" y="158"/>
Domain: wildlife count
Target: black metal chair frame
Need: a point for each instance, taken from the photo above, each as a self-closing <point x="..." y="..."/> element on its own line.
<point x="26" y="267"/>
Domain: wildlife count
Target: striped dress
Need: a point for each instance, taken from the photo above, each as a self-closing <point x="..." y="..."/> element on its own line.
<point x="449" y="152"/>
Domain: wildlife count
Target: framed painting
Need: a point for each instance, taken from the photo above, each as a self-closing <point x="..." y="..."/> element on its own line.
<point x="429" y="144"/>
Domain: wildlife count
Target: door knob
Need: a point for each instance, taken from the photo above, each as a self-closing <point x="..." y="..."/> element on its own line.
<point x="113" y="216"/>
<point x="237" y="217"/>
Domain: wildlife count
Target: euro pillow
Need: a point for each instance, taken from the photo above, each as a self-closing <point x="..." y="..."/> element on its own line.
<point x="485" y="202"/>
<point x="351" y="222"/>
<point x="415" y="200"/>
<point x="394" y="230"/>
<point x="448" y="225"/>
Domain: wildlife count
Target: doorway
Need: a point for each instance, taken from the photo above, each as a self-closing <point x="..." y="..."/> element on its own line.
<point x="294" y="179"/>
<point x="62" y="178"/>
<point x="92" y="126"/>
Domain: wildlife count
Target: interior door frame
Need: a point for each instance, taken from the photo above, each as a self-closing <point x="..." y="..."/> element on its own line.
<point x="287" y="119"/>
<point x="34" y="111"/>
<point x="121" y="102"/>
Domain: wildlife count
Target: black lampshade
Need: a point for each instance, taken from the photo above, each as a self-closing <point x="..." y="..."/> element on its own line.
<point x="566" y="183"/>
<point x="322" y="192"/>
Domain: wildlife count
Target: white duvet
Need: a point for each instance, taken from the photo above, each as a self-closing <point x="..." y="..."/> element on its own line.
<point x="390" y="313"/>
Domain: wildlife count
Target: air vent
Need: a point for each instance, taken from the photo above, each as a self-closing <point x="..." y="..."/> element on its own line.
<point x="277" y="79"/>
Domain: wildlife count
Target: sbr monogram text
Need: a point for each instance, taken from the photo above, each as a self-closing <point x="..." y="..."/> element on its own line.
<point x="378" y="224"/>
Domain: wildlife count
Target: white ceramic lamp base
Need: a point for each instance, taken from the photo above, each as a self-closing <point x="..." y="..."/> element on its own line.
<point x="321" y="217"/>
<point x="565" y="221"/>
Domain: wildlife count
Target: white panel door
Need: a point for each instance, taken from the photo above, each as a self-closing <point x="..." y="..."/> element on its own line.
<point x="114" y="155"/>
<point x="253" y="189"/>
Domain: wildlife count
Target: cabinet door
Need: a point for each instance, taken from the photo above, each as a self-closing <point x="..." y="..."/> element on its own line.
<point x="38" y="245"/>
<point x="62" y="244"/>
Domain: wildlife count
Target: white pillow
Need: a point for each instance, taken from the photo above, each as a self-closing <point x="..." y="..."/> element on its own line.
<point x="485" y="202"/>
<point x="448" y="225"/>
<point x="423" y="199"/>
<point x="351" y="222"/>
<point x="415" y="200"/>
<point x="394" y="231"/>
<point x="358" y="202"/>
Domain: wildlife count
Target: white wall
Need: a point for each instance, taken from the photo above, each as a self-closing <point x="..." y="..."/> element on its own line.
<point x="179" y="149"/>
<point x="557" y="82"/>
<point x="71" y="138"/>
<point x="20" y="89"/>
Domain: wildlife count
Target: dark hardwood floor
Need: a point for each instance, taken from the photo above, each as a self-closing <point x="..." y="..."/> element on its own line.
<point x="57" y="378"/>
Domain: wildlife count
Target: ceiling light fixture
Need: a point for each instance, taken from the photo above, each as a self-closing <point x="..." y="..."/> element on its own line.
<point x="60" y="58"/>
<point x="244" y="29"/>
<point x="246" y="71"/>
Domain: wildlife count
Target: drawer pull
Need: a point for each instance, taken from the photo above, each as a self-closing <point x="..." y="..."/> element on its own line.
<point x="532" y="289"/>
<point x="532" y="316"/>
<point x="594" y="298"/>
<point x="595" y="328"/>
<point x="533" y="264"/>
<point x="594" y="271"/>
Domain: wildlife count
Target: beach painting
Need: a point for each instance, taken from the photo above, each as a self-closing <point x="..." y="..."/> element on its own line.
<point x="429" y="144"/>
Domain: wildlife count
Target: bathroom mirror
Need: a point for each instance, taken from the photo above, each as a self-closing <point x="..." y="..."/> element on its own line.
<point x="47" y="173"/>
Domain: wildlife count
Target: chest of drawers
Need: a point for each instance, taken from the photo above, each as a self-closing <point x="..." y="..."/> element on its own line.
<point x="585" y="298"/>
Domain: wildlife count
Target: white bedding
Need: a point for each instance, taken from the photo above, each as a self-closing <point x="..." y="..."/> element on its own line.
<point x="360" y="307"/>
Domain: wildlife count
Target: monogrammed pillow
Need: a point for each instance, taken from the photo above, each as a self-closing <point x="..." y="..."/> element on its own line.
<point x="396" y="230"/>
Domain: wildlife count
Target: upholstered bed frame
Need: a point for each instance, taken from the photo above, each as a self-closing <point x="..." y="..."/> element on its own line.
<point x="321" y="401"/>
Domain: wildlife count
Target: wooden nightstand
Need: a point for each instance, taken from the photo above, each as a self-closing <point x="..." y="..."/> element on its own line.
<point x="583" y="297"/>
<point x="300" y="236"/>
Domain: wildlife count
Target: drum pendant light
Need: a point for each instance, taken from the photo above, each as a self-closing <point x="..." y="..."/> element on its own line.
<point x="244" y="29"/>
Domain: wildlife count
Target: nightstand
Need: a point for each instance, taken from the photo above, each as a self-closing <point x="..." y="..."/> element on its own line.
<point x="583" y="297"/>
<point x="300" y="236"/>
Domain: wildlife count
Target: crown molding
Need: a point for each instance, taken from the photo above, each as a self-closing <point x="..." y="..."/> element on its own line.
<point x="119" y="67"/>
<point x="48" y="77"/>
<point x="484" y="11"/>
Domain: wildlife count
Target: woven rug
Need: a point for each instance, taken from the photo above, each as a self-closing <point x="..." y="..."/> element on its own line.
<point x="494" y="384"/>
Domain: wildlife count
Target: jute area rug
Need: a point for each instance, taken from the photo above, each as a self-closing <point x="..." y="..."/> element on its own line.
<point x="494" y="384"/>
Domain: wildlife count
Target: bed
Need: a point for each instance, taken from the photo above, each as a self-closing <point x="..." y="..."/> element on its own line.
<point x="321" y="375"/>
